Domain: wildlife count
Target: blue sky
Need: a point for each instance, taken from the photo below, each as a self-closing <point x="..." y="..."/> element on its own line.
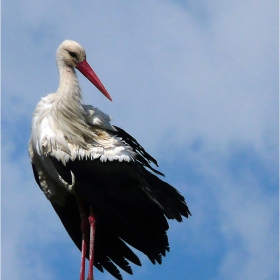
<point x="196" y="83"/>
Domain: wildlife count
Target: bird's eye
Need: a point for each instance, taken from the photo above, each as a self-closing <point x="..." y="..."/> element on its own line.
<point x="73" y="54"/>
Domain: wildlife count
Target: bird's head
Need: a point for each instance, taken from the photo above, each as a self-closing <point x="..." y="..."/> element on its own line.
<point x="72" y="54"/>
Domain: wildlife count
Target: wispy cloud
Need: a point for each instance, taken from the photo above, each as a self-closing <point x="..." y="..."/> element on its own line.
<point x="196" y="84"/>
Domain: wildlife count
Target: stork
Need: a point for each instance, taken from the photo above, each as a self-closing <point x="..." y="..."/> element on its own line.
<point x="97" y="177"/>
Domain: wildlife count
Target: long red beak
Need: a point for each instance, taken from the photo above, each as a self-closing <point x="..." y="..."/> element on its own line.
<point x="87" y="71"/>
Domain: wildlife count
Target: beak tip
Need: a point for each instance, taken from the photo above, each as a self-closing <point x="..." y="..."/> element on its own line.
<point x="87" y="71"/>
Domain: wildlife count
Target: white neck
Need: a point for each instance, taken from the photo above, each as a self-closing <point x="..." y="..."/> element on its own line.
<point x="68" y="101"/>
<point x="69" y="85"/>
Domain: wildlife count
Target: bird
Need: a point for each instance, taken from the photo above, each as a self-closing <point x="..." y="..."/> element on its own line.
<point x="101" y="182"/>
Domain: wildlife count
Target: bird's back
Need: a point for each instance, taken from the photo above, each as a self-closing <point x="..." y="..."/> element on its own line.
<point x="131" y="204"/>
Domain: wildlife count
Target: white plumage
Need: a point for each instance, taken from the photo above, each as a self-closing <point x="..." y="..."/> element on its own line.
<point x="66" y="129"/>
<point x="87" y="167"/>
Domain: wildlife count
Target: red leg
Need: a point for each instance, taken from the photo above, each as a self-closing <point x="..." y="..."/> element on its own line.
<point x="92" y="221"/>
<point x="84" y="229"/>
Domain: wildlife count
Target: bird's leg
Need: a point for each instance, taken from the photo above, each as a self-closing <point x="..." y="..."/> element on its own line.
<point x="84" y="229"/>
<point x="92" y="222"/>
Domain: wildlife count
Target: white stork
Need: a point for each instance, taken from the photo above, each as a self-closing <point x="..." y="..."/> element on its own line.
<point x="96" y="174"/>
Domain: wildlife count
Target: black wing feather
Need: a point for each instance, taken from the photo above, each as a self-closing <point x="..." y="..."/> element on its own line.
<point x="142" y="156"/>
<point x="131" y="205"/>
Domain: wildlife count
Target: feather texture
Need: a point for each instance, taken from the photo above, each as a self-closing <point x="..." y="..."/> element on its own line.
<point x="76" y="152"/>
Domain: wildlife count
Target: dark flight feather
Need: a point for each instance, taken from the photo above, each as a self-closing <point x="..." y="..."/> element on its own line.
<point x="131" y="205"/>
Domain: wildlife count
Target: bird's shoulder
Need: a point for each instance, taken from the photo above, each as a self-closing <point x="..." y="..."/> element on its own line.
<point x="98" y="118"/>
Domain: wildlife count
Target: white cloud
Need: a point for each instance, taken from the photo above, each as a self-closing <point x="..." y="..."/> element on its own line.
<point x="193" y="82"/>
<point x="249" y="226"/>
